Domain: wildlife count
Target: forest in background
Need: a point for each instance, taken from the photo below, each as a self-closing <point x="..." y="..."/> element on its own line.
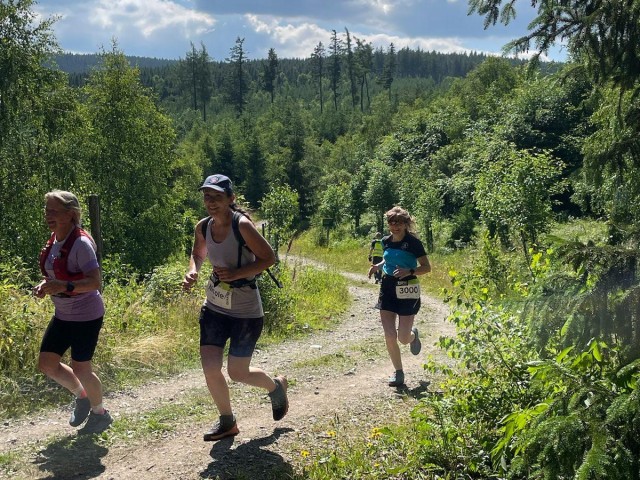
<point x="490" y="160"/>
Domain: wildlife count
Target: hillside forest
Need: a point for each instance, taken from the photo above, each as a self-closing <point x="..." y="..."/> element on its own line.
<point x="492" y="156"/>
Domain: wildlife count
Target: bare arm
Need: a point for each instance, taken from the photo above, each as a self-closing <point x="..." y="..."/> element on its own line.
<point x="198" y="254"/>
<point x="52" y="286"/>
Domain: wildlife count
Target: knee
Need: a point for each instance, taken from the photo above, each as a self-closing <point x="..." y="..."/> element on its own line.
<point x="47" y="366"/>
<point x="238" y="374"/>
<point x="404" y="339"/>
<point x="82" y="371"/>
<point x="391" y="337"/>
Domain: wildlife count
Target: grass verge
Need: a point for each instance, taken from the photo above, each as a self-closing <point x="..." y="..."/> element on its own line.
<point x="150" y="331"/>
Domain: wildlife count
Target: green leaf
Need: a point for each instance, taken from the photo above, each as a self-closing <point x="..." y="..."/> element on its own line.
<point x="563" y="354"/>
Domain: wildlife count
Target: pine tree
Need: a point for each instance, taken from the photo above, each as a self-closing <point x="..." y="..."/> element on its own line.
<point x="317" y="70"/>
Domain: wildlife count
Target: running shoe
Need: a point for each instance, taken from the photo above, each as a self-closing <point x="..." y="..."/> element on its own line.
<point x="80" y="411"/>
<point x="279" y="400"/>
<point x="218" y="431"/>
<point x="416" y="344"/>
<point x="396" y="379"/>
<point x="97" y="423"/>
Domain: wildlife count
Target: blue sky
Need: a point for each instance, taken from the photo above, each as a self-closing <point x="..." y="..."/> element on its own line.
<point x="166" y="28"/>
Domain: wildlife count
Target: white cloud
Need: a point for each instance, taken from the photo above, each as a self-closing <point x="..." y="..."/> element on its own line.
<point x="164" y="28"/>
<point x="300" y="40"/>
<point x="381" y="6"/>
<point x="149" y="16"/>
<point x="293" y="40"/>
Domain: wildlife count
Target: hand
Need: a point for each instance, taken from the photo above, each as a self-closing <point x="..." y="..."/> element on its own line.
<point x="38" y="292"/>
<point x="372" y="270"/>
<point x="401" y="272"/>
<point x="50" y="286"/>
<point x="189" y="280"/>
<point x="226" y="274"/>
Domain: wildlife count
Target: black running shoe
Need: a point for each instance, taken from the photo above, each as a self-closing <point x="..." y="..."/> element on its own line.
<point x="80" y="411"/>
<point x="396" y="379"/>
<point x="416" y="344"/>
<point x="218" y="431"/>
<point x="97" y="423"/>
<point x="279" y="400"/>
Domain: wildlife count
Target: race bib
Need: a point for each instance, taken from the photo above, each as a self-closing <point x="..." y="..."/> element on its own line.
<point x="408" y="289"/>
<point x="219" y="294"/>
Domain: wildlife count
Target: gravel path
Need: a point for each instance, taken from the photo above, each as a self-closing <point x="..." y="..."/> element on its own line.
<point x="349" y="393"/>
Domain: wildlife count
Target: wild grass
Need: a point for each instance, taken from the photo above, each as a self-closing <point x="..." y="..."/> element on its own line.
<point x="150" y="328"/>
<point x="579" y="230"/>
<point x="347" y="254"/>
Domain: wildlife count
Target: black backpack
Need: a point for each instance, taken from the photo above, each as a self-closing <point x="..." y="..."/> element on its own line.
<point x="235" y="226"/>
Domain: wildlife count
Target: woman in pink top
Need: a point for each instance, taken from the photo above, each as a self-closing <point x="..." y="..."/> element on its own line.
<point x="71" y="277"/>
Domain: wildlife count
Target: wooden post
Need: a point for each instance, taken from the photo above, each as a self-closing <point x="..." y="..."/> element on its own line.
<point x="327" y="222"/>
<point x="94" y="218"/>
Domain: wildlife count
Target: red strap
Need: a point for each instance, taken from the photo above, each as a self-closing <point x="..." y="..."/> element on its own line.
<point x="60" y="268"/>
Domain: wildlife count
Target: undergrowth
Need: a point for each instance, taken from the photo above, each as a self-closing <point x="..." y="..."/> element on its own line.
<point x="150" y="326"/>
<point x="522" y="401"/>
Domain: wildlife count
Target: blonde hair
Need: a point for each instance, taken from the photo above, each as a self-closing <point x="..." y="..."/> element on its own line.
<point x="69" y="201"/>
<point x="400" y="213"/>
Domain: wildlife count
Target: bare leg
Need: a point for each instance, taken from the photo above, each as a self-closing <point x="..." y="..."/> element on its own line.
<point x="388" y="320"/>
<point x="49" y="363"/>
<point x="405" y="323"/>
<point x="211" y="359"/>
<point x="240" y="371"/>
<point x="84" y="372"/>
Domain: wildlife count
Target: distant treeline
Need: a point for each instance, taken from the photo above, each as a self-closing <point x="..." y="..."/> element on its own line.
<point x="81" y="64"/>
<point x="409" y="64"/>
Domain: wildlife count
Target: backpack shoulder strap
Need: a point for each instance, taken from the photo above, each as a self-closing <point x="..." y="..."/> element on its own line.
<point x="71" y="239"/>
<point x="45" y="252"/>
<point x="204" y="226"/>
<point x="235" y="226"/>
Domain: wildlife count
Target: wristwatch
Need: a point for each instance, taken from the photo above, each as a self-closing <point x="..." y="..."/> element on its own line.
<point x="70" y="287"/>
<point x="412" y="271"/>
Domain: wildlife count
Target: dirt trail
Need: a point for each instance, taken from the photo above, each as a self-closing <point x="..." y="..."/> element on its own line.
<point x="353" y="396"/>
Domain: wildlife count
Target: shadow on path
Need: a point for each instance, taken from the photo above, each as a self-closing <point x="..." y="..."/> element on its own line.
<point x="418" y="392"/>
<point x="247" y="460"/>
<point x="72" y="457"/>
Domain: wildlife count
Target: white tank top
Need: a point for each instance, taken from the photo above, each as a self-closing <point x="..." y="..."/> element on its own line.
<point x="246" y="301"/>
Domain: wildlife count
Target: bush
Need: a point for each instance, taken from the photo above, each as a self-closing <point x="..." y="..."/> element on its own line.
<point x="463" y="225"/>
<point x="277" y="302"/>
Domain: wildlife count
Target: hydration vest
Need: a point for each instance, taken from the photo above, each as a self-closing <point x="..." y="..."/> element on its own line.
<point x="60" y="268"/>
<point x="235" y="226"/>
<point x="377" y="248"/>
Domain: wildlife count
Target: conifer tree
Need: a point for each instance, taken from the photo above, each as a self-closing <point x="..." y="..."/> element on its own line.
<point x="335" y="67"/>
<point x="236" y="80"/>
<point x="389" y="69"/>
<point x="351" y="69"/>
<point x="270" y="73"/>
<point x="317" y="70"/>
<point x="363" y="67"/>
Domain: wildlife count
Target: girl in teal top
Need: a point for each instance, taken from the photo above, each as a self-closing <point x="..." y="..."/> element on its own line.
<point x="403" y="259"/>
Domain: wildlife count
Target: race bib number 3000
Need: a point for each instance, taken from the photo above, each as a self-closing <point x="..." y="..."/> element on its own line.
<point x="219" y="294"/>
<point x="408" y="289"/>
